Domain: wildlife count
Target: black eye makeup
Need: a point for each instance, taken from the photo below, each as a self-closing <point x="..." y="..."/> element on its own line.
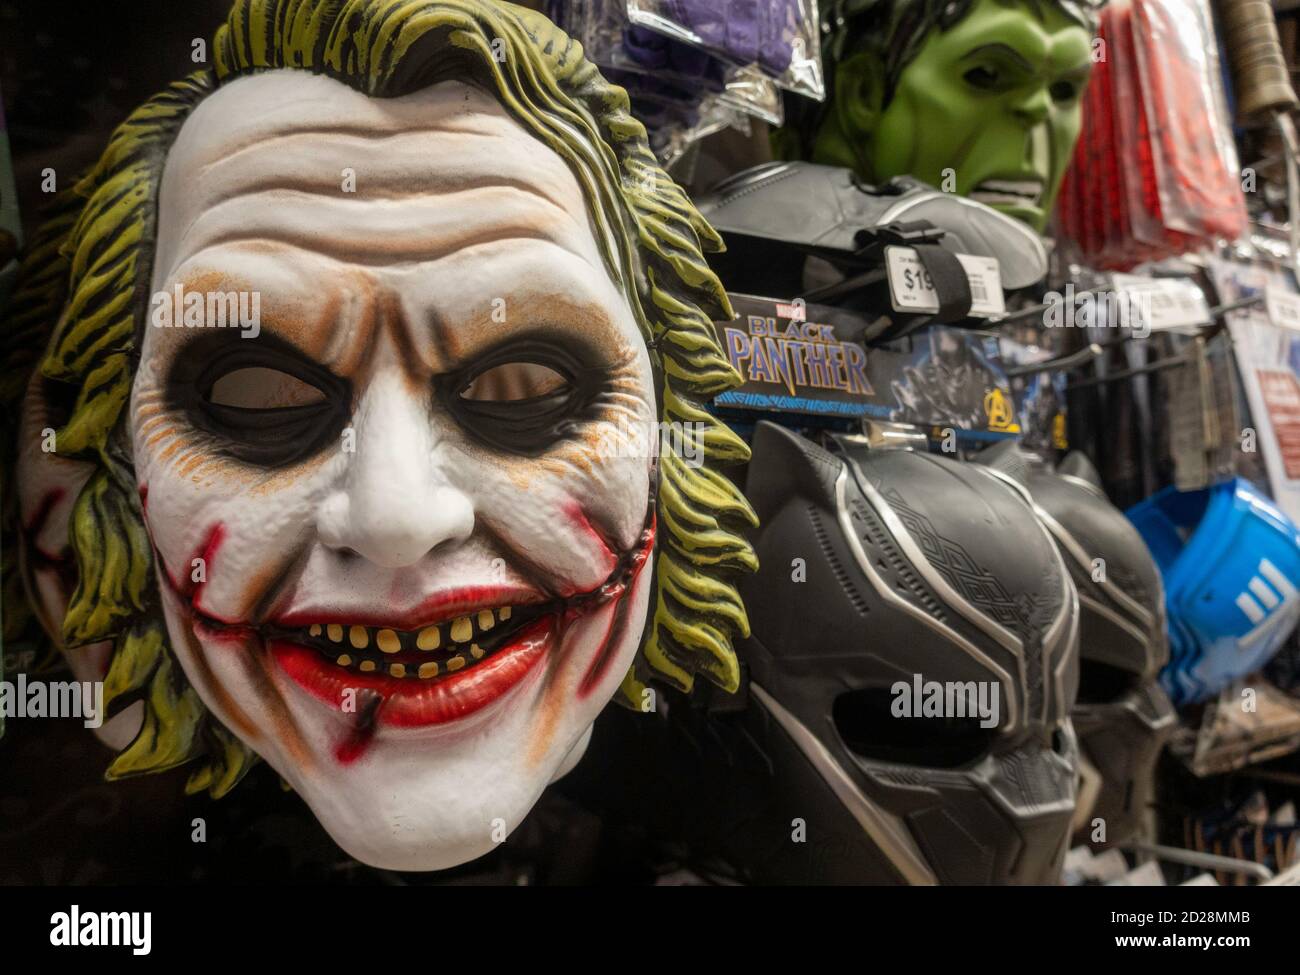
<point x="525" y="395"/>
<point x="260" y="400"/>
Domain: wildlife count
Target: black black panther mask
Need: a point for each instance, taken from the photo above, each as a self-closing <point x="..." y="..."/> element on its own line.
<point x="882" y="569"/>
<point x="1123" y="717"/>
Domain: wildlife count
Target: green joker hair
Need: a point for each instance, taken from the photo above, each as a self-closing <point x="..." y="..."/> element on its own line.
<point x="82" y="298"/>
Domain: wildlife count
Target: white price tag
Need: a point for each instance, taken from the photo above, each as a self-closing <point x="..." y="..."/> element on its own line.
<point x="1163" y="303"/>
<point x="912" y="290"/>
<point x="1283" y="307"/>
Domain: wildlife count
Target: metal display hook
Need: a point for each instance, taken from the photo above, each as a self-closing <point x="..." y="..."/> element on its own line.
<point x="1196" y="858"/>
<point x="1068" y="361"/>
<point x="1204" y="337"/>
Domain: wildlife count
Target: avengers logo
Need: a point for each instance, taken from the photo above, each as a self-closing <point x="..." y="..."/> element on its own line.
<point x="998" y="410"/>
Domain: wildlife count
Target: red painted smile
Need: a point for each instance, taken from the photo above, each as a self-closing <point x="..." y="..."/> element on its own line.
<point x="440" y="662"/>
<point x="416" y="678"/>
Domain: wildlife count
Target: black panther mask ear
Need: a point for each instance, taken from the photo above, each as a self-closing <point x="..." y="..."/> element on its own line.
<point x="1076" y="464"/>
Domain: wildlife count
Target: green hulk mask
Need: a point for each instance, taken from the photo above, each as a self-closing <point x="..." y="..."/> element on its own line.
<point x="977" y="97"/>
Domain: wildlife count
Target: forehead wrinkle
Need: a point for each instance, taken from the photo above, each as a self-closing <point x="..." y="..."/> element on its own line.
<point x="418" y="245"/>
<point x="387" y="174"/>
<point x="444" y="108"/>
<point x="279" y="112"/>
<point x="401" y="191"/>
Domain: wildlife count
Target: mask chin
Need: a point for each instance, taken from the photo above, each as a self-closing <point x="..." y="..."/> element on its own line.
<point x="574" y="755"/>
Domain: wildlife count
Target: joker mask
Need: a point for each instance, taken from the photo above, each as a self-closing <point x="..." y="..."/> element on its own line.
<point x="47" y="492"/>
<point x="396" y="525"/>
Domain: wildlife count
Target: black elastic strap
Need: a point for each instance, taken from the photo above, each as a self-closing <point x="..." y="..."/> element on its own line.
<point x="950" y="281"/>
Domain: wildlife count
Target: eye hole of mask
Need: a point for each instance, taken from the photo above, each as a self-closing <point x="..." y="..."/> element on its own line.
<point x="1101" y="683"/>
<point x="262" y="388"/>
<point x="867" y="725"/>
<point x="525" y="398"/>
<point x="984" y="77"/>
<point x="263" y="403"/>
<point x="512" y="382"/>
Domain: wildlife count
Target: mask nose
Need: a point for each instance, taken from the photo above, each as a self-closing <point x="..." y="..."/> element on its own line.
<point x="1034" y="109"/>
<point x="394" y="504"/>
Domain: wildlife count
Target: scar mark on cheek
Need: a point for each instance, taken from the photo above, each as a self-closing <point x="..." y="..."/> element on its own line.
<point x="286" y="730"/>
<point x="531" y="572"/>
<point x="266" y="585"/>
<point x="251" y="653"/>
<point x="362" y="732"/>
<point x="42" y="513"/>
<point x="231" y="711"/>
<point x="208" y="555"/>
<point x="558" y="695"/>
<point x="583" y="527"/>
<point x="552" y="704"/>
<point x="620" y="626"/>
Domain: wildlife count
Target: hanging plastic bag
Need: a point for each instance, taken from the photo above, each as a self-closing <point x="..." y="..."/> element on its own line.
<point x="780" y="37"/>
<point x="611" y="41"/>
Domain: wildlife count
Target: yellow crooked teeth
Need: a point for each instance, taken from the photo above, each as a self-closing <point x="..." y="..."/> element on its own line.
<point x="457" y="636"/>
<point x="462" y="630"/>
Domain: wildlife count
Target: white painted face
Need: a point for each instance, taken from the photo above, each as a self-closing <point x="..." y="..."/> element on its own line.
<point x="397" y="556"/>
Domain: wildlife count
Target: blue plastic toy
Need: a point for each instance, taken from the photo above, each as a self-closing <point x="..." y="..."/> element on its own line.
<point x="1230" y="561"/>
